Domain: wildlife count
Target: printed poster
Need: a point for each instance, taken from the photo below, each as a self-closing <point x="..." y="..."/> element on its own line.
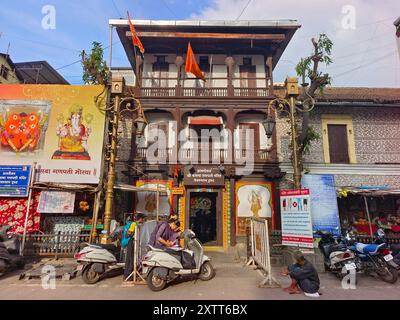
<point x="296" y="218"/>
<point x="324" y="206"/>
<point x="56" y="202"/>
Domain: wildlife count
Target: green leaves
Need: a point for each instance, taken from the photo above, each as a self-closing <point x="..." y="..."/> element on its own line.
<point x="311" y="136"/>
<point x="95" y="70"/>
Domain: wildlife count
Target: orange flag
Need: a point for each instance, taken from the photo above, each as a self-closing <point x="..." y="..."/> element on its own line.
<point x="191" y="64"/>
<point x="135" y="39"/>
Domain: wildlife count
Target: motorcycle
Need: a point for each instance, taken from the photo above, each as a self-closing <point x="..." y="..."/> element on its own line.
<point x="162" y="266"/>
<point x="394" y="249"/>
<point x="97" y="260"/>
<point x="338" y="259"/>
<point x="374" y="258"/>
<point x="10" y="257"/>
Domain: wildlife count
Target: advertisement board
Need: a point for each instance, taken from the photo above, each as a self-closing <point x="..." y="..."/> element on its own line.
<point x="324" y="205"/>
<point x="296" y="218"/>
<point x="61" y="127"/>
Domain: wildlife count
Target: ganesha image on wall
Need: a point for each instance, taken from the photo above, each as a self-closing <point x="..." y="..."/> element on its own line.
<point x="22" y="127"/>
<point x="73" y="133"/>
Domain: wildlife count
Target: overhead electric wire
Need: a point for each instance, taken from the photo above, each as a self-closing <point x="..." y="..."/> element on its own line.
<point x="244" y="9"/>
<point x="116" y="9"/>
<point x="169" y="9"/>
<point x="366" y="64"/>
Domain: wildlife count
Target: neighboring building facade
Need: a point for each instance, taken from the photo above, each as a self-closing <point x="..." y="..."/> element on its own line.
<point x="8" y="72"/>
<point x="359" y="144"/>
<point x="212" y="195"/>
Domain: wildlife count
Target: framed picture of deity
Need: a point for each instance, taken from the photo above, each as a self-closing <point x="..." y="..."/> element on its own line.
<point x="253" y="199"/>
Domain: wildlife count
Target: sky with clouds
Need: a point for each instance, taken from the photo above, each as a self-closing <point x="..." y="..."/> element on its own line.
<point x="365" y="55"/>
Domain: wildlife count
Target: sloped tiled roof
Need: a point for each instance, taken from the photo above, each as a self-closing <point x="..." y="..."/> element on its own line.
<point x="353" y="94"/>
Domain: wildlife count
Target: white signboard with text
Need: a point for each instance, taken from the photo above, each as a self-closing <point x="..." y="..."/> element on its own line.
<point x="296" y="218"/>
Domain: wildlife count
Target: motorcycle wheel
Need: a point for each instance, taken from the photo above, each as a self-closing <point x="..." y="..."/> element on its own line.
<point x="207" y="271"/>
<point x="90" y="276"/>
<point x="387" y="273"/>
<point x="155" y="283"/>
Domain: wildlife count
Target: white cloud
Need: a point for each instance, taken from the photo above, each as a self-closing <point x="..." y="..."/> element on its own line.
<point x="371" y="45"/>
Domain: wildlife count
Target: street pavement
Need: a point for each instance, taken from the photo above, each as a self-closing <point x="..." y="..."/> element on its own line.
<point x="233" y="280"/>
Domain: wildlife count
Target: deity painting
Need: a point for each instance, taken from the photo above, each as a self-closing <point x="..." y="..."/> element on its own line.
<point x="73" y="133"/>
<point x="22" y="127"/>
<point x="146" y="202"/>
<point x="253" y="200"/>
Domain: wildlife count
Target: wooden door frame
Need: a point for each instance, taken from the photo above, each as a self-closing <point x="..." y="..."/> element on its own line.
<point x="218" y="208"/>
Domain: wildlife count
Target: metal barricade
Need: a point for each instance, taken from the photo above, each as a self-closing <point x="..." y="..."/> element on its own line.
<point x="260" y="251"/>
<point x="137" y="277"/>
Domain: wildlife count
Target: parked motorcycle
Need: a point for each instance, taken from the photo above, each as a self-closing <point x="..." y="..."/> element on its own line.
<point x="338" y="259"/>
<point x="162" y="266"/>
<point x="97" y="260"/>
<point x="394" y="249"/>
<point x="374" y="258"/>
<point x="10" y="257"/>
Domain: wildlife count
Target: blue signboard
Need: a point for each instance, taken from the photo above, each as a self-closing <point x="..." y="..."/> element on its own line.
<point x="324" y="206"/>
<point x="14" y="181"/>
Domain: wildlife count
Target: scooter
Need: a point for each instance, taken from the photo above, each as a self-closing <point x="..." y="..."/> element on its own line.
<point x="10" y="258"/>
<point x="97" y="260"/>
<point x="374" y="258"/>
<point x="162" y="266"/>
<point x="338" y="259"/>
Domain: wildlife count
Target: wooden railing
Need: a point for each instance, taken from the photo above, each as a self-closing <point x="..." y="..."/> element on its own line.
<point x="214" y="155"/>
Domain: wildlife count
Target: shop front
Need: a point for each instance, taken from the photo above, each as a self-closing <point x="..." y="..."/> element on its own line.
<point x="364" y="210"/>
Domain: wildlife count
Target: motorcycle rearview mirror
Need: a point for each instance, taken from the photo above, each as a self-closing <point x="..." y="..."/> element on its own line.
<point x="380" y="233"/>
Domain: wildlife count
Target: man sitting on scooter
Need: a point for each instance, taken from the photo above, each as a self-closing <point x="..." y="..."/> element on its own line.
<point x="303" y="275"/>
<point x="164" y="233"/>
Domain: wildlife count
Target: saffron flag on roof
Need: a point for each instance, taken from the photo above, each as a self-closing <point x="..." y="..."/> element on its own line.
<point x="191" y="64"/>
<point x="135" y="38"/>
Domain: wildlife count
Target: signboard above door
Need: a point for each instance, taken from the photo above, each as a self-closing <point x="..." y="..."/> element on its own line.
<point x="203" y="176"/>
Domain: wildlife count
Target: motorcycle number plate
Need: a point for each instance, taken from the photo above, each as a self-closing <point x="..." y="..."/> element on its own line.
<point x="350" y="266"/>
<point x="388" y="257"/>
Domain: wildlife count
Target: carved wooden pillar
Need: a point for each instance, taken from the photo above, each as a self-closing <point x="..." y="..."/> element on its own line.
<point x="230" y="62"/>
<point x="270" y="80"/>
<point x="179" y="63"/>
<point x="138" y="73"/>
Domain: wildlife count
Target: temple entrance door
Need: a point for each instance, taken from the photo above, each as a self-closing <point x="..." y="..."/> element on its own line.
<point x="204" y="217"/>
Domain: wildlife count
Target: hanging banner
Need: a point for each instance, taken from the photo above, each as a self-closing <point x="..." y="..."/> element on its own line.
<point x="14" y="181"/>
<point x="324" y="206"/>
<point x="296" y="218"/>
<point x="61" y="127"/>
<point x="56" y="202"/>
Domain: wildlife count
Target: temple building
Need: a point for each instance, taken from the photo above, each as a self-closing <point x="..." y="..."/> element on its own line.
<point x="214" y="182"/>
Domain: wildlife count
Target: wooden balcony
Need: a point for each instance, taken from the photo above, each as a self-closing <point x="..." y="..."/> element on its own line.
<point x="167" y="89"/>
<point x="214" y="155"/>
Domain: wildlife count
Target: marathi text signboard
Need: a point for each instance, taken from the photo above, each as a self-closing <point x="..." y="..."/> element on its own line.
<point x="324" y="206"/>
<point x="203" y="176"/>
<point x="61" y="127"/>
<point x="296" y="218"/>
<point x="14" y="181"/>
